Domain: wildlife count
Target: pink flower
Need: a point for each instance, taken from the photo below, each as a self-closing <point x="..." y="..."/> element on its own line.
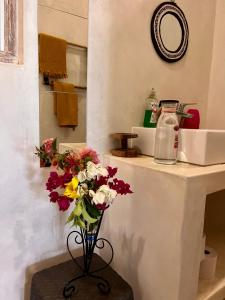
<point x="74" y="155"/>
<point x="89" y="154"/>
<point x="63" y="202"/>
<point x="47" y="144"/>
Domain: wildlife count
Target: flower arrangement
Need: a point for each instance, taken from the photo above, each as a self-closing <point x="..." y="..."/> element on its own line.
<point x="47" y="152"/>
<point x="80" y="180"/>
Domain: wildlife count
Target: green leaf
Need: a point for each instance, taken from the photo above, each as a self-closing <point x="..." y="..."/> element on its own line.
<point x="78" y="222"/>
<point x="70" y="218"/>
<point x="81" y="223"/>
<point x="61" y="159"/>
<point x="78" y="209"/>
<point x="54" y="143"/>
<point x="87" y="217"/>
<point x="92" y="210"/>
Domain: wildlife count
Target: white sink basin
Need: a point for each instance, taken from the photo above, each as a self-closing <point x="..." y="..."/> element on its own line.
<point x="196" y="146"/>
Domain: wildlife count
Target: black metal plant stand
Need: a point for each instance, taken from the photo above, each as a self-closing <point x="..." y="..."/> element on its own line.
<point x="89" y="240"/>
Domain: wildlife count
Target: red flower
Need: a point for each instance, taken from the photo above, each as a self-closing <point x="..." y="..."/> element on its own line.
<point x="54" y="162"/>
<point x="101" y="181"/>
<point x="54" y="181"/>
<point x="120" y="186"/>
<point x="67" y="177"/>
<point x="66" y="169"/>
<point x="112" y="171"/>
<point x="103" y="206"/>
<point x="54" y="196"/>
<point x="72" y="159"/>
<point x="63" y="202"/>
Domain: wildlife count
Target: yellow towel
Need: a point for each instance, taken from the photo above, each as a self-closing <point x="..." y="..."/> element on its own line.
<point x="52" y="56"/>
<point x="65" y="104"/>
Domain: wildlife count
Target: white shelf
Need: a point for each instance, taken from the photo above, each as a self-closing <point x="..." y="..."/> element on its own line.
<point x="212" y="178"/>
<point x="215" y="289"/>
<point x="180" y="169"/>
<point x="171" y="200"/>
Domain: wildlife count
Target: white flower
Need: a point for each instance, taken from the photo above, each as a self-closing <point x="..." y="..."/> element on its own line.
<point x="82" y="176"/>
<point x="98" y="197"/>
<point x="92" y="171"/>
<point x="82" y="189"/>
<point x="95" y="170"/>
<point x="102" y="171"/>
<point x="103" y="195"/>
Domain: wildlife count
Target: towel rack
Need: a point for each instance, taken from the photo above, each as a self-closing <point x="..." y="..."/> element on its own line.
<point x="80" y="87"/>
<point x="77" y="45"/>
<point x="75" y="86"/>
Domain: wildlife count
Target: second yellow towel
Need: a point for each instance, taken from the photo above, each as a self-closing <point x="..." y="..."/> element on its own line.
<point x="65" y="104"/>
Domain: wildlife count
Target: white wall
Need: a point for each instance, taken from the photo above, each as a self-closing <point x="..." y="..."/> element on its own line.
<point x="30" y="229"/>
<point x="67" y="20"/>
<point x="123" y="65"/>
<point x="216" y="102"/>
<point x="215" y="207"/>
<point x="123" y="68"/>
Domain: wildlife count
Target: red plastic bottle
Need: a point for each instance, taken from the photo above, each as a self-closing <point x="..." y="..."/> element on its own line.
<point x="194" y="122"/>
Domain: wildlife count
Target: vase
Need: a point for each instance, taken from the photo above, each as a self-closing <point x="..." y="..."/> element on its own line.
<point x="89" y="240"/>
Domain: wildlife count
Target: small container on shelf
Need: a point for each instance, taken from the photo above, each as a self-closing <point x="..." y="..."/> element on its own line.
<point x="151" y="111"/>
<point x="166" y="139"/>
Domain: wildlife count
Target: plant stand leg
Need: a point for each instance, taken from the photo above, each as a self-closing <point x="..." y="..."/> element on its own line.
<point x="70" y="288"/>
<point x="88" y="240"/>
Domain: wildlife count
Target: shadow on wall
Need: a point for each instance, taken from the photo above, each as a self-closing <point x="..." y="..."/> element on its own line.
<point x="134" y="248"/>
<point x="35" y="176"/>
<point x="128" y="251"/>
<point x="31" y="270"/>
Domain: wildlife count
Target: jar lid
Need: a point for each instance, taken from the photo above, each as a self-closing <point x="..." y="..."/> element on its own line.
<point x="168" y="103"/>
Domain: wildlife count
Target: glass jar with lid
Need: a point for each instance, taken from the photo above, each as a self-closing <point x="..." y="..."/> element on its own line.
<point x="166" y="139"/>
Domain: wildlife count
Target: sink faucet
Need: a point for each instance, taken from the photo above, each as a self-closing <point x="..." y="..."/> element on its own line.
<point x="180" y="111"/>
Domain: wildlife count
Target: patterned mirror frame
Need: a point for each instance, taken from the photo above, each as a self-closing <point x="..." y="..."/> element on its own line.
<point x="166" y="54"/>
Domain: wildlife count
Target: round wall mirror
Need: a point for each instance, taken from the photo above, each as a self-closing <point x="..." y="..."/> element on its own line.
<point x="169" y="32"/>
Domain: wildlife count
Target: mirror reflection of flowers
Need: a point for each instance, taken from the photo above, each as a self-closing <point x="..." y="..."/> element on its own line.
<point x="47" y="152"/>
<point x="80" y="180"/>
